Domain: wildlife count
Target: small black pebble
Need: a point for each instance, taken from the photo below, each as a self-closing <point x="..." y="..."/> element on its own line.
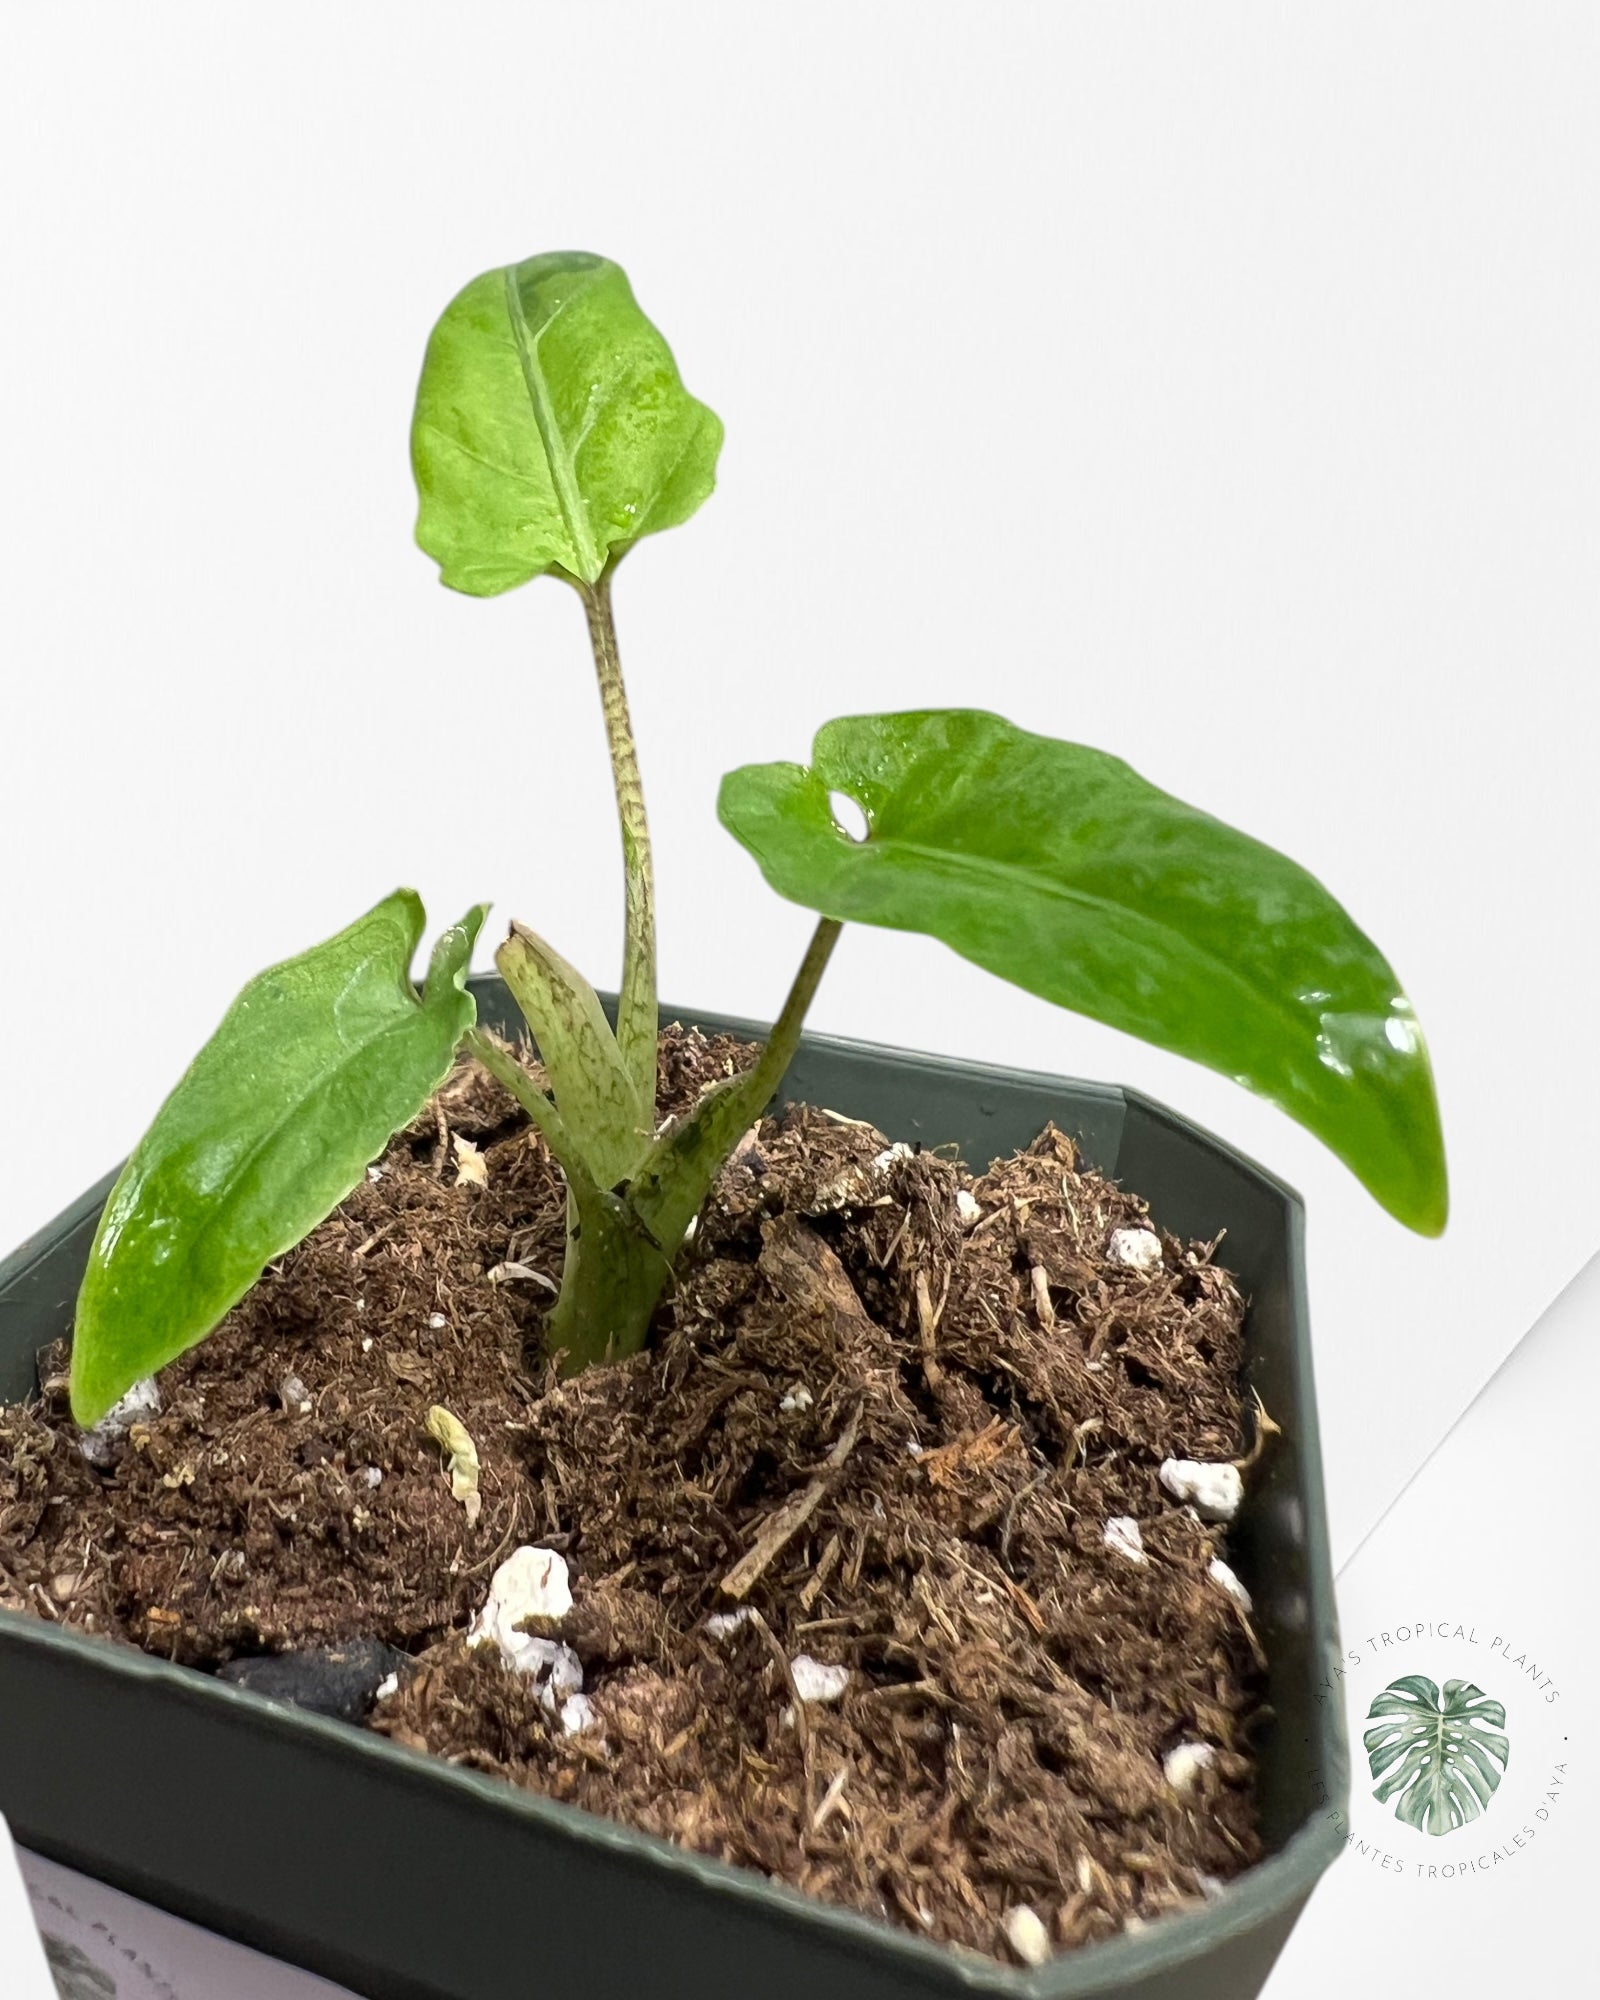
<point x="329" y="1680"/>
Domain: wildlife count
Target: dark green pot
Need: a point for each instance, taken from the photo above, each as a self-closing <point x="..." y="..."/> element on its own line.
<point x="407" y="1879"/>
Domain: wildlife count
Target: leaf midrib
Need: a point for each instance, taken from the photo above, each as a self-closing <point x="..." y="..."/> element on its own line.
<point x="563" y="473"/>
<point x="1083" y="899"/>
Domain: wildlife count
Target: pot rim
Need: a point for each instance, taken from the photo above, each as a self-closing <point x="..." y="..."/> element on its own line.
<point x="1258" y="1894"/>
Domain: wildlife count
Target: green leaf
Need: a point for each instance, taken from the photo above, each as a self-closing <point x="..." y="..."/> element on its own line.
<point x="315" y="1065"/>
<point x="1440" y="1756"/>
<point x="1062" y="870"/>
<point x="608" y="1120"/>
<point x="551" y="427"/>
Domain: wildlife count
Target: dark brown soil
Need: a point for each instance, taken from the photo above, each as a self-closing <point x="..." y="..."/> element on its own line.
<point x="942" y="1413"/>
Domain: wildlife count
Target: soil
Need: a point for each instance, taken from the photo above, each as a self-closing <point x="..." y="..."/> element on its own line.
<point x="890" y="1427"/>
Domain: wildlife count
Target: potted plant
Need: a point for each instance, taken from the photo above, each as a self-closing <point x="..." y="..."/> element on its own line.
<point x="774" y="1483"/>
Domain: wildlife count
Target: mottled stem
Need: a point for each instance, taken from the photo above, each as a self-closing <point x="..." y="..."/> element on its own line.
<point x="621" y="1245"/>
<point x="503" y="1066"/>
<point x="636" y="1006"/>
<point x="668" y="1192"/>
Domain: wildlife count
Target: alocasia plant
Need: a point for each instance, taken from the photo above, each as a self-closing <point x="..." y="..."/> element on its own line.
<point x="551" y="432"/>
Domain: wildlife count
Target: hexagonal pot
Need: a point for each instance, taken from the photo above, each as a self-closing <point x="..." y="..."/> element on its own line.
<point x="406" y="1878"/>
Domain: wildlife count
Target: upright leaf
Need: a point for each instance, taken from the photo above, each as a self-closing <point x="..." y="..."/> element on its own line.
<point x="676" y="1175"/>
<point x="608" y="1119"/>
<point x="1439" y="1756"/>
<point x="1062" y="870"/>
<point x="315" y="1065"/>
<point x="551" y="427"/>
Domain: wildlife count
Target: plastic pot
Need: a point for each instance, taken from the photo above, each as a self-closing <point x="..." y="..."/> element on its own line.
<point x="407" y="1879"/>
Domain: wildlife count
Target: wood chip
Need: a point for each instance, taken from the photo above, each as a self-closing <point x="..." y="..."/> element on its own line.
<point x="972" y="1453"/>
<point x="785" y="1522"/>
<point x="928" y="1326"/>
<point x="812" y="1589"/>
<point x="802" y="1722"/>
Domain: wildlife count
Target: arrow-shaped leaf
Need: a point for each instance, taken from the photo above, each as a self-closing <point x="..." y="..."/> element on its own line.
<point x="1062" y="870"/>
<point x="551" y="427"/>
<point x="315" y="1065"/>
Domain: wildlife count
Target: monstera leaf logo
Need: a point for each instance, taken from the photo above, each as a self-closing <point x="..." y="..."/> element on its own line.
<point x="1438" y="1756"/>
<point x="76" y="1978"/>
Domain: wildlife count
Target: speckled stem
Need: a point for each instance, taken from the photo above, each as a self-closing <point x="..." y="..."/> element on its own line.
<point x="636" y="1008"/>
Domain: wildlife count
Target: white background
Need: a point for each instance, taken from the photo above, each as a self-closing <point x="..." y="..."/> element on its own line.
<point x="1213" y="385"/>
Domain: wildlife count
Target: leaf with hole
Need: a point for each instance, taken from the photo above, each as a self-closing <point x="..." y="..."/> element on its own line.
<point x="1062" y="870"/>
<point x="1439" y="1756"/>
<point x="551" y="427"/>
<point x="316" y="1064"/>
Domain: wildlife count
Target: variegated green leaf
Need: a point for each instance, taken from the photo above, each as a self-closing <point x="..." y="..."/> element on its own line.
<point x="607" y="1118"/>
<point x="1062" y="870"/>
<point x="315" y="1065"/>
<point x="551" y="427"/>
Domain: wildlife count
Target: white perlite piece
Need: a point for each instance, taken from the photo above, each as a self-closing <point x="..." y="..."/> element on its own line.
<point x="1216" y="1490"/>
<point x="858" y="1186"/>
<point x="1183" y="1764"/>
<point x="577" y="1714"/>
<point x="1026" y="1935"/>
<point x="1139" y="1249"/>
<point x="816" y="1681"/>
<point x="1121" y="1533"/>
<point x="98" y="1443"/>
<point x="1220" y="1573"/>
<point x="531" y="1583"/>
<point x="389" y="1685"/>
<point x="797" y="1399"/>
<point x="968" y="1208"/>
<point x="721" y="1623"/>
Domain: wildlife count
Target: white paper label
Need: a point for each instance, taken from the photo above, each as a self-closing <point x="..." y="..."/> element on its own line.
<point x="103" y="1945"/>
<point x="23" y="1972"/>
